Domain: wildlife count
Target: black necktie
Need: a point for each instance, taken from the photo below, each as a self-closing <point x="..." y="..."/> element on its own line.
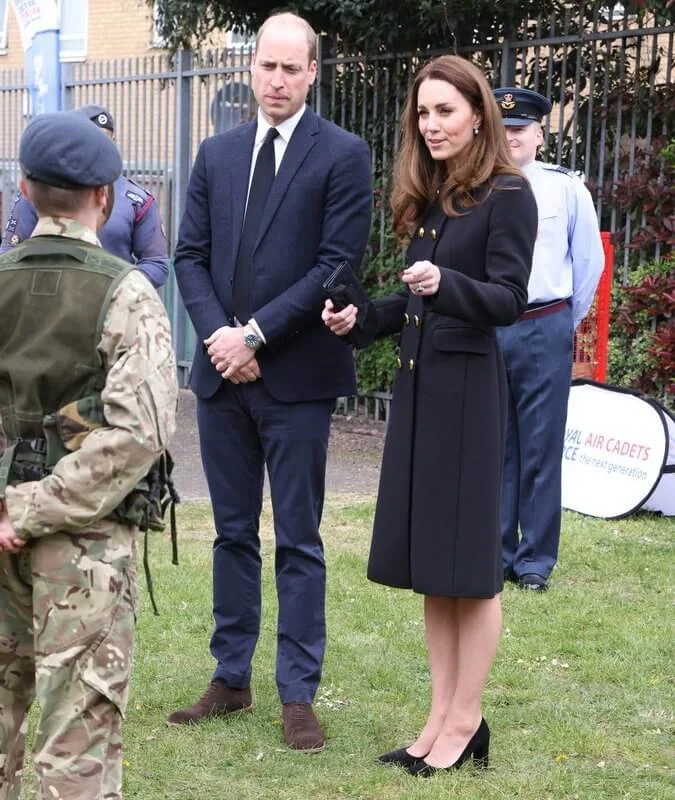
<point x="261" y="184"/>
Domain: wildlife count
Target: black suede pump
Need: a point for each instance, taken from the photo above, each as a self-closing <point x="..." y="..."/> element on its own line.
<point x="400" y="757"/>
<point x="477" y="749"/>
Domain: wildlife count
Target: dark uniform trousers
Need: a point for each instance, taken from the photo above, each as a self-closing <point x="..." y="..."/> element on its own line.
<point x="538" y="357"/>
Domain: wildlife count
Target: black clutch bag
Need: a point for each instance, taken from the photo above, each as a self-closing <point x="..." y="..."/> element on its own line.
<point x="344" y="288"/>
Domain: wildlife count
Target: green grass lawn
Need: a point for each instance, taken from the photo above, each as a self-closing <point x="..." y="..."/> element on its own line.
<point x="580" y="702"/>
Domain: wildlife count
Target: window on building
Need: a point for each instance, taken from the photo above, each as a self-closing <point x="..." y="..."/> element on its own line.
<point x="241" y="41"/>
<point x="74" y="23"/>
<point x="157" y="38"/>
<point x="4" y="8"/>
<point x="615" y="12"/>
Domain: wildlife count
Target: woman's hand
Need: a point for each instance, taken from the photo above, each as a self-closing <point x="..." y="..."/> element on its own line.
<point x="423" y="278"/>
<point x="339" y="322"/>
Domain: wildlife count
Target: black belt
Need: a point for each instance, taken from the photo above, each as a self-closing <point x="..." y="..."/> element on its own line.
<point x="535" y="310"/>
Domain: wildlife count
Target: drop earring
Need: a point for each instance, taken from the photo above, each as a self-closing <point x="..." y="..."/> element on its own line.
<point x="475" y="130"/>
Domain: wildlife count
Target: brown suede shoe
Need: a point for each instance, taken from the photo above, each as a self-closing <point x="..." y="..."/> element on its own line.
<point x="217" y="701"/>
<point x="301" y="728"/>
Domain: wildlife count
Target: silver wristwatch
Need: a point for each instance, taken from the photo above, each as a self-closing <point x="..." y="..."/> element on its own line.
<point x="251" y="338"/>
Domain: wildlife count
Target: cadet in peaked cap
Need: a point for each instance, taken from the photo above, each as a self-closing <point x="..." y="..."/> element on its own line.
<point x="99" y="116"/>
<point x="63" y="149"/>
<point x="537" y="350"/>
<point x="521" y="106"/>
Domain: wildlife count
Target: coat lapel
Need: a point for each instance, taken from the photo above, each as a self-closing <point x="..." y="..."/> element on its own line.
<point x="302" y="141"/>
<point x="239" y="156"/>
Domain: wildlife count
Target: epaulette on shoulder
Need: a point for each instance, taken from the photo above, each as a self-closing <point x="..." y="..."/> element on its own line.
<point x="560" y="168"/>
<point x="138" y="189"/>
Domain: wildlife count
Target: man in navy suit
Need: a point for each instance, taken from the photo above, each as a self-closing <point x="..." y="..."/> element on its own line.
<point x="273" y="207"/>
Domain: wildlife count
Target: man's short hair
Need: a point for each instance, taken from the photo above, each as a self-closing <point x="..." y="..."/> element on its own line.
<point x="53" y="201"/>
<point x="302" y="23"/>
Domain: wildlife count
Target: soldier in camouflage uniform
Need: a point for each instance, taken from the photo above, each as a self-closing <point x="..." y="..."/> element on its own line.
<point x="75" y="324"/>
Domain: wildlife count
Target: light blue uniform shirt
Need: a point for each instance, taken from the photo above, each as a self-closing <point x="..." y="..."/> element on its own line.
<point x="568" y="256"/>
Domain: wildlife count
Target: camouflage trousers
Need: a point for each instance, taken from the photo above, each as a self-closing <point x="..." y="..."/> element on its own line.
<point x="67" y="614"/>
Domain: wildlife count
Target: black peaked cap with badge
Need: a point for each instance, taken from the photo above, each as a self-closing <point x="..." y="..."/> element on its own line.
<point x="99" y="116"/>
<point x="64" y="149"/>
<point x="521" y="106"/>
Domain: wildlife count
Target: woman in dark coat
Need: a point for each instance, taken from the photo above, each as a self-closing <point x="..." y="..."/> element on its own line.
<point x="471" y="221"/>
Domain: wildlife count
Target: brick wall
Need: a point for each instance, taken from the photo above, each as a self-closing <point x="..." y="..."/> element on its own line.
<point x="12" y="57"/>
<point x="116" y="29"/>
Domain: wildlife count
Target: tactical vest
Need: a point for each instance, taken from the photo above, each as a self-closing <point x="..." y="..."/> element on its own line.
<point x="54" y="294"/>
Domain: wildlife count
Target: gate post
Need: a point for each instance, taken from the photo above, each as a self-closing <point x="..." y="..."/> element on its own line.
<point x="182" y="162"/>
<point x="603" y="309"/>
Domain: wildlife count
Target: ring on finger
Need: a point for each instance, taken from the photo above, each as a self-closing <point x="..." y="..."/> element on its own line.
<point x="420" y="288"/>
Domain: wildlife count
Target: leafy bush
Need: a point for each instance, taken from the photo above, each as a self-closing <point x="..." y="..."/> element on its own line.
<point x="642" y="339"/>
<point x="648" y="197"/>
<point x="376" y="365"/>
<point x="642" y="344"/>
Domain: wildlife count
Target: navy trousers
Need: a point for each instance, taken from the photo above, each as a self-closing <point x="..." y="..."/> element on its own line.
<point x="538" y="358"/>
<point x="242" y="428"/>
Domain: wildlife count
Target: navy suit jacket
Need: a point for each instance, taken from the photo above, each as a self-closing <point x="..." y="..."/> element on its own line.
<point x="317" y="214"/>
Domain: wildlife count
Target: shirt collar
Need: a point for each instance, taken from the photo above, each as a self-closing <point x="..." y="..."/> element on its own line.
<point x="65" y="226"/>
<point x="285" y="128"/>
<point x="531" y="167"/>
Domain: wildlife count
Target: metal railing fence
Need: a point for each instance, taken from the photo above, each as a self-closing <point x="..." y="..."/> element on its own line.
<point x="610" y="80"/>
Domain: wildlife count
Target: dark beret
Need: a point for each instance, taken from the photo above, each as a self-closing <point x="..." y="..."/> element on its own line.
<point x="99" y="116"/>
<point x="521" y="106"/>
<point x="64" y="149"/>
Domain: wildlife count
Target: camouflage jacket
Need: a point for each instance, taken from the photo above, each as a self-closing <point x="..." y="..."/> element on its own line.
<point x="139" y="399"/>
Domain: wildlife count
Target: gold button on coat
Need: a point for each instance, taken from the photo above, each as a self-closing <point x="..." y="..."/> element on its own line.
<point x="411" y="365"/>
<point x="418" y="321"/>
<point x="398" y="363"/>
<point x="406" y="317"/>
<point x="433" y="233"/>
<point x="420" y="233"/>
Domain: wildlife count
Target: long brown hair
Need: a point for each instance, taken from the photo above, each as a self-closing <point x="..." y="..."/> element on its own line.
<point x="417" y="176"/>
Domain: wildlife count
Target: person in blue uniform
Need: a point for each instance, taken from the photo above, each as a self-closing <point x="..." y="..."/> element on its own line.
<point x="537" y="349"/>
<point x="134" y="232"/>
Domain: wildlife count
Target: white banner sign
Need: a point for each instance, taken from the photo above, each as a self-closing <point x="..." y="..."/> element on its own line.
<point x="619" y="449"/>
<point x="35" y="16"/>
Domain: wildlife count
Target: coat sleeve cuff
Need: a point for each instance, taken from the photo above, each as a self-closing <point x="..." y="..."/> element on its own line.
<point x="257" y="329"/>
<point x="17" y="501"/>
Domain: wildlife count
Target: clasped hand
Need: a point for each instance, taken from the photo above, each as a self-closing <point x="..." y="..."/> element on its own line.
<point x="9" y="541"/>
<point x="231" y="357"/>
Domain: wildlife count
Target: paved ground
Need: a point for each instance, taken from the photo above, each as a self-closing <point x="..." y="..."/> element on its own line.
<point x="354" y="456"/>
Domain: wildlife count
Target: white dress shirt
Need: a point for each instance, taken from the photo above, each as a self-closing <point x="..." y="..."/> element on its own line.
<point x="568" y="255"/>
<point x="285" y="130"/>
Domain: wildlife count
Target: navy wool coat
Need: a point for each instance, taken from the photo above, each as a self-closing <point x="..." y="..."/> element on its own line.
<point x="436" y="527"/>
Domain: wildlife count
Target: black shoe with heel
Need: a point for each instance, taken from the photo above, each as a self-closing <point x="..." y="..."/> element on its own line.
<point x="478" y="750"/>
<point x="400" y="757"/>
